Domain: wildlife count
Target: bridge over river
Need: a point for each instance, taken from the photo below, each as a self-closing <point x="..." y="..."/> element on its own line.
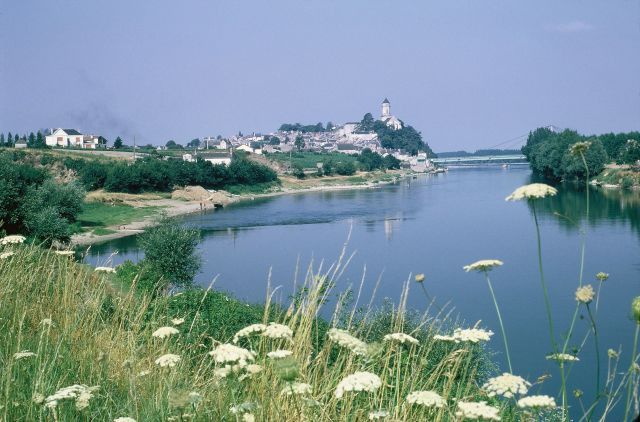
<point x="481" y="160"/>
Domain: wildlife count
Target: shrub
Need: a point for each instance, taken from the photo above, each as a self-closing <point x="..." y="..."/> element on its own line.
<point x="626" y="182"/>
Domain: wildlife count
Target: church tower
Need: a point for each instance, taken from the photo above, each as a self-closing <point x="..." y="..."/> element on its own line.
<point x="386" y="108"/>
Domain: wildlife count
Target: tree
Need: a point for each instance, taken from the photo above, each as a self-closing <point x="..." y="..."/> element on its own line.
<point x="1" y="139"/>
<point x="345" y="168"/>
<point x="298" y="171"/>
<point x="9" y="139"/>
<point x="366" y="124"/>
<point x="194" y="143"/>
<point x="170" y="252"/>
<point x="274" y="140"/>
<point x="31" y="140"/>
<point x="16" y="138"/>
<point x="40" y="141"/>
<point x="117" y="144"/>
<point x="329" y="126"/>
<point x="299" y="142"/>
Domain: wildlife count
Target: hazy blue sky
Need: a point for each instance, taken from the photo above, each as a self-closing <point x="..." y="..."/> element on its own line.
<point x="467" y="74"/>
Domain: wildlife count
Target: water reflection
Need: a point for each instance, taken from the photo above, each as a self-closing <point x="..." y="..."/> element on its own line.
<point x="606" y="206"/>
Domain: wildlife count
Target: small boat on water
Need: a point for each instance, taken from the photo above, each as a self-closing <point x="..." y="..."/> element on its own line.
<point x="505" y="166"/>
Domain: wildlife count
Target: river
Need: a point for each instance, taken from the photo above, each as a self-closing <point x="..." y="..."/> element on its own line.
<point x="435" y="225"/>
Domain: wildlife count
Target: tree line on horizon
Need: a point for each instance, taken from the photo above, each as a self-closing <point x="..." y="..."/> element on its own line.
<point x="548" y="152"/>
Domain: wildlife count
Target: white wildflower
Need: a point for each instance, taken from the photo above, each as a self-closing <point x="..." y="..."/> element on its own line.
<point x="378" y="414"/>
<point x="124" y="419"/>
<point x="80" y="393"/>
<point x="358" y="381"/>
<point x="483" y="265"/>
<point x="163" y="332"/>
<point x="177" y="321"/>
<point x="105" y="270"/>
<point x="278" y="331"/>
<point x="426" y="398"/>
<point x="169" y="360"/>
<point x="473" y="335"/>
<point x="346" y="340"/>
<point x="64" y="253"/>
<point x="250" y="369"/>
<point x="37" y="398"/>
<point x="47" y="321"/>
<point x="143" y="373"/>
<point x="401" y="338"/>
<point x="279" y="354"/>
<point x="248" y="331"/>
<point x="248" y="417"/>
<point x="5" y="255"/>
<point x="585" y="294"/>
<point x="12" y="240"/>
<point x="477" y="410"/>
<point x="506" y="385"/>
<point x="537" y="402"/>
<point x="563" y="357"/>
<point x="532" y="191"/>
<point x="23" y="354"/>
<point x="222" y="372"/>
<point x="228" y="353"/>
<point x="298" y="388"/>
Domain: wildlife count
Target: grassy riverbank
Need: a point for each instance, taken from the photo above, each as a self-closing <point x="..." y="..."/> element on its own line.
<point x="100" y="341"/>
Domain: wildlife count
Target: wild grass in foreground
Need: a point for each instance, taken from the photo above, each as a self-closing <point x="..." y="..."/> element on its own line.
<point x="74" y="348"/>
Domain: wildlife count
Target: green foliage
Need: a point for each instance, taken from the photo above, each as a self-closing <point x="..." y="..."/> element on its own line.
<point x="117" y="144"/>
<point x="626" y="182"/>
<point x="366" y="124"/>
<point x="298" y="171"/>
<point x="630" y="152"/>
<point x="274" y="140"/>
<point x="345" y="168"/>
<point x="155" y="175"/>
<point x="48" y="210"/>
<point x="299" y="143"/>
<point x="407" y="139"/>
<point x="170" y="250"/>
<point x="297" y="127"/>
<point x="549" y="155"/>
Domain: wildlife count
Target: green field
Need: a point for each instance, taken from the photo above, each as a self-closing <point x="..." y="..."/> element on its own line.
<point x="97" y="216"/>
<point x="310" y="159"/>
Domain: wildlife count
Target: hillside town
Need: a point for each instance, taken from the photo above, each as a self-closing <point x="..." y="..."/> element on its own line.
<point x="348" y="138"/>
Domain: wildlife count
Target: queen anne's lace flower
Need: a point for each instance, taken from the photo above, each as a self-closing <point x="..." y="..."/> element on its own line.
<point x="23" y="354"/>
<point x="483" y="265"/>
<point x="64" y="253"/>
<point x="378" y="414"/>
<point x="563" y="357"/>
<point x="297" y="388"/>
<point x="585" y="294"/>
<point x="168" y="360"/>
<point x="358" y="381"/>
<point x="5" y="255"/>
<point x="602" y="276"/>
<point x="532" y="191"/>
<point x="228" y="353"/>
<point x="477" y="410"/>
<point x="506" y="385"/>
<point x="473" y="335"/>
<point x="177" y="321"/>
<point x="124" y="419"/>
<point x="279" y="354"/>
<point x="400" y="338"/>
<point x="346" y="340"/>
<point x="426" y="398"/>
<point x="248" y="417"/>
<point x="80" y="393"/>
<point x="12" y="240"/>
<point x="249" y="330"/>
<point x="163" y="332"/>
<point x="105" y="270"/>
<point x="278" y="331"/>
<point x="537" y="402"/>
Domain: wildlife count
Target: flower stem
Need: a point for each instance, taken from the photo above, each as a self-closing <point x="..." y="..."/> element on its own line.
<point x="631" y="369"/>
<point x="595" y="336"/>
<point x="504" y="335"/>
<point x="542" y="281"/>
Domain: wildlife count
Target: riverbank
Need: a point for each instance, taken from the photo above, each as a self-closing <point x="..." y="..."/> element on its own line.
<point x="195" y="199"/>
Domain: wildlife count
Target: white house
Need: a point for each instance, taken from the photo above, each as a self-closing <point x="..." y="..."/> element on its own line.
<point x="64" y="138"/>
<point x="245" y="148"/>
<point x="224" y="159"/>
<point x="211" y="142"/>
<point x="91" y="141"/>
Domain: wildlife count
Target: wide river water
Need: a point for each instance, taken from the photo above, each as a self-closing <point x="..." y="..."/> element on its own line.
<point x="435" y="225"/>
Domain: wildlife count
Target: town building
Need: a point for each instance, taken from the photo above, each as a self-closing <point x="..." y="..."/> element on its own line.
<point x="389" y="119"/>
<point x="71" y="138"/>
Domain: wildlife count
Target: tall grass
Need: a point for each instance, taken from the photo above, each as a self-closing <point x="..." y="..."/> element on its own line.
<point x="83" y="331"/>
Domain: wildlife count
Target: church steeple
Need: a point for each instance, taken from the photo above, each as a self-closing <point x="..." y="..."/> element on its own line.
<point x="386" y="108"/>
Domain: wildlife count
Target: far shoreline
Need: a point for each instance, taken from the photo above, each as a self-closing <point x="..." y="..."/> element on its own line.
<point x="175" y="207"/>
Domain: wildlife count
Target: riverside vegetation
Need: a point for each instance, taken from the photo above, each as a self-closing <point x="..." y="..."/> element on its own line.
<point x="122" y="344"/>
